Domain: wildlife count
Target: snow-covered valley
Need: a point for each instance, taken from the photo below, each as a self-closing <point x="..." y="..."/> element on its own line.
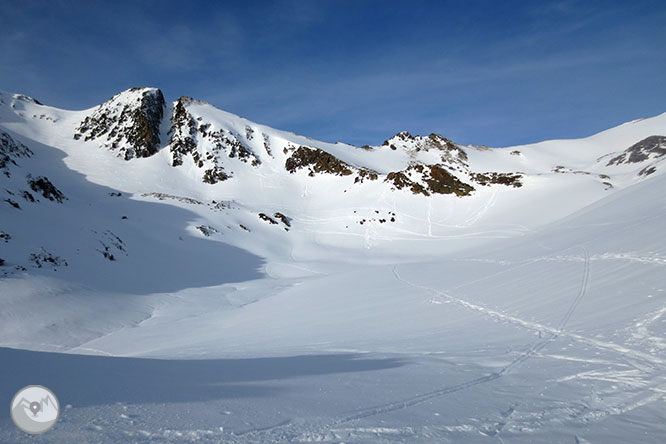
<point x="176" y="273"/>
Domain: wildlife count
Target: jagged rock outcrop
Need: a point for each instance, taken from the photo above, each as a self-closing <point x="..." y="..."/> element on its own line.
<point x="449" y="151"/>
<point x="129" y="123"/>
<point x="652" y="147"/>
<point x="191" y="136"/>
<point x="286" y="221"/>
<point x="43" y="186"/>
<point x="427" y="180"/>
<point x="183" y="132"/>
<point x="317" y="161"/>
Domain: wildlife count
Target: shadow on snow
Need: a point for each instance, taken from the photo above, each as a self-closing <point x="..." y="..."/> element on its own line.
<point x="160" y="257"/>
<point x="84" y="380"/>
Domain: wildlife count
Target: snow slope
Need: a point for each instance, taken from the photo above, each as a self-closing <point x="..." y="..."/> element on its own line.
<point x="531" y="313"/>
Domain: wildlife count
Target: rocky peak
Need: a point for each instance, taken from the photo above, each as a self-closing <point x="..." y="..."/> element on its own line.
<point x="206" y="143"/>
<point x="449" y="152"/>
<point x="402" y="139"/>
<point x="404" y="136"/>
<point x="129" y="123"/>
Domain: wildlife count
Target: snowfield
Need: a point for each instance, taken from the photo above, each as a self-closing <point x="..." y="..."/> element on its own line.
<point x="163" y="308"/>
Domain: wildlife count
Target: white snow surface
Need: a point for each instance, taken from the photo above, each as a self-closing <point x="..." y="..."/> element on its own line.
<point x="513" y="315"/>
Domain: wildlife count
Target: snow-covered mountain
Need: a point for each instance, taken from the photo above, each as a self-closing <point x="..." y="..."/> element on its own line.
<point x="276" y="193"/>
<point x="529" y="278"/>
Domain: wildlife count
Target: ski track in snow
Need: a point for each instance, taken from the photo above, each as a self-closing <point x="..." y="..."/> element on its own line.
<point x="584" y="414"/>
<point x="541" y="328"/>
<point x="321" y="433"/>
<point x="647" y="386"/>
<point x="648" y="378"/>
<point x="482" y="211"/>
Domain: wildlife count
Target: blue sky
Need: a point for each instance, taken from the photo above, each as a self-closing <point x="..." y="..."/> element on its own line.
<point x="479" y="72"/>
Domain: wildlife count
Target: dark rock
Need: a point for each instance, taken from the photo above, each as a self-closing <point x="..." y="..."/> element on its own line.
<point x="285" y="220"/>
<point x="316" y="161"/>
<point x="164" y="196"/>
<point x="109" y="242"/>
<point x="435" y="177"/>
<point x="13" y="204"/>
<point x="10" y="151"/>
<point x="219" y="206"/>
<point x="44" y="258"/>
<point x="650" y="147"/>
<point x="364" y="173"/>
<point x="133" y="129"/>
<point x="215" y="175"/>
<point x="443" y="182"/>
<point x="268" y="219"/>
<point x="183" y="128"/>
<point x="508" y="179"/>
<point x="267" y="144"/>
<point x="249" y="133"/>
<point x="44" y="186"/>
<point x="185" y="133"/>
<point x="207" y="230"/>
<point x="27" y="196"/>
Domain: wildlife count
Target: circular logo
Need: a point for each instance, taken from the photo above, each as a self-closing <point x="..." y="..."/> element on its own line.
<point x="35" y="409"/>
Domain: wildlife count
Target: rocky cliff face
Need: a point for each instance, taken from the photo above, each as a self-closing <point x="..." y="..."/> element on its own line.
<point x="129" y="123"/>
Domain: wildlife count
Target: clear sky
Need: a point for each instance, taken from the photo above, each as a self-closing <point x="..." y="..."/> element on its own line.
<point x="479" y="72"/>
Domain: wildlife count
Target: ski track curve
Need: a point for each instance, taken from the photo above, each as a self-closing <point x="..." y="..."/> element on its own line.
<point x="294" y="430"/>
<point x="418" y="399"/>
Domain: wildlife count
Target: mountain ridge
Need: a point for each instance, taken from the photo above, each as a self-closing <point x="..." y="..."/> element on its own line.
<point x="233" y="174"/>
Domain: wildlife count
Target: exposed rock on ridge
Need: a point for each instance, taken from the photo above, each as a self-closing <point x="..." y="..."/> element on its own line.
<point x="652" y="147"/>
<point x="193" y="137"/>
<point x="128" y="123"/>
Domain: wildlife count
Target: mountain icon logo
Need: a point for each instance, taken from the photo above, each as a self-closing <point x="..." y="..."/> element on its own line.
<point x="35" y="409"/>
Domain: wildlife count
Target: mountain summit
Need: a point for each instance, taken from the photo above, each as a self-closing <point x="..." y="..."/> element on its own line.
<point x="129" y="122"/>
